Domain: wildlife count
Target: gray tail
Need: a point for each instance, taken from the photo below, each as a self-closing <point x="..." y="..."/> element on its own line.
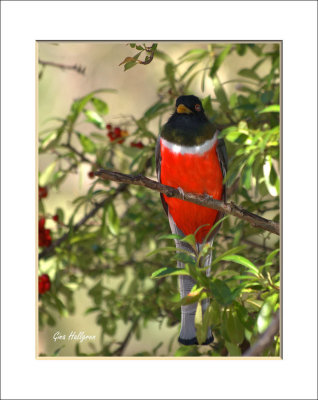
<point x="188" y="335"/>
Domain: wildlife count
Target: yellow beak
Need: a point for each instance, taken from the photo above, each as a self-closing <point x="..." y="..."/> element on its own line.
<point x="183" y="109"/>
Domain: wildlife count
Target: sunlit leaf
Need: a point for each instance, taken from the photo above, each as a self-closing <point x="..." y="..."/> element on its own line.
<point x="168" y="271"/>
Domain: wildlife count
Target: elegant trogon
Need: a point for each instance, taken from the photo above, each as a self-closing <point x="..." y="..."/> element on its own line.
<point x="190" y="157"/>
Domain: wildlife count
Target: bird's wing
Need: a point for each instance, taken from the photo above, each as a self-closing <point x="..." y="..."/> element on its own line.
<point x="222" y="155"/>
<point x="158" y="170"/>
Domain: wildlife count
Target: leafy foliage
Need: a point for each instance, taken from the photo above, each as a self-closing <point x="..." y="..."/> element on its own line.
<point x="124" y="224"/>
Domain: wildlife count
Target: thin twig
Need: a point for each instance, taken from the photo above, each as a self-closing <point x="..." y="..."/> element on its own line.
<point x="265" y="340"/>
<point x="78" y="68"/>
<point x="200" y="199"/>
<point x="51" y="249"/>
<point x="121" y="348"/>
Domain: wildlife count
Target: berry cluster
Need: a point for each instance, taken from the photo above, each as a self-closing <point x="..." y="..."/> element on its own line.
<point x="45" y="239"/>
<point x="43" y="192"/>
<point x="139" y="145"/>
<point x="44" y="283"/>
<point x="116" y="133"/>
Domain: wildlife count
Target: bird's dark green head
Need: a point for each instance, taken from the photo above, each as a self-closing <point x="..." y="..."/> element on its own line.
<point x="188" y="125"/>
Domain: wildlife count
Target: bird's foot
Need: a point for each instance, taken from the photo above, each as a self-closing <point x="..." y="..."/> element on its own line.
<point x="180" y="190"/>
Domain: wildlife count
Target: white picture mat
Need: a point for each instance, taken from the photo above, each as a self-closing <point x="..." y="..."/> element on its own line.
<point x="22" y="23"/>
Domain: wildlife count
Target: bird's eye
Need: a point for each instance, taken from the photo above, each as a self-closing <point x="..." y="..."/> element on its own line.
<point x="197" y="107"/>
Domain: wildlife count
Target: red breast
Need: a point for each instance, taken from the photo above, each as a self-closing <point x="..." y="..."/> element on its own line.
<point x="195" y="169"/>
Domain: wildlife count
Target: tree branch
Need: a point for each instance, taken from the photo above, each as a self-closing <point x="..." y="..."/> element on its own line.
<point x="265" y="340"/>
<point x="77" y="68"/>
<point x="200" y="199"/>
<point x="121" y="348"/>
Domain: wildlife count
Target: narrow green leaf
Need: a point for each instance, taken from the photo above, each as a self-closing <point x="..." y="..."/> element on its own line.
<point x="219" y="59"/>
<point x="194" y="54"/>
<point x="170" y="236"/>
<point x="168" y="271"/>
<point x="265" y="315"/>
<point x="129" y="65"/>
<point x="87" y="144"/>
<point x="100" y="105"/>
<point x="228" y="252"/>
<point x="198" y="322"/>
<point x="47" y="174"/>
<point x="242" y="261"/>
<point x="220" y="92"/>
<point x="249" y="73"/>
<point x="207" y="106"/>
<point x="272" y="108"/>
<point x="170" y="71"/>
<point x="113" y="221"/>
<point x="270" y="257"/>
<point x="190" y="239"/>
<point x="96" y="119"/>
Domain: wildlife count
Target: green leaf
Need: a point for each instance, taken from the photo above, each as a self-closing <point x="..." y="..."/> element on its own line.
<point x="272" y="108"/>
<point x="78" y="105"/>
<point x="270" y="257"/>
<point x="228" y="252"/>
<point x="207" y="106"/>
<point x="153" y="110"/>
<point x="249" y="73"/>
<point x="96" y="119"/>
<point x="221" y="292"/>
<point x="235" y="329"/>
<point x="234" y="350"/>
<point x="187" y="351"/>
<point x="194" y="54"/>
<point x="50" y="141"/>
<point x="198" y="322"/>
<point x="219" y="59"/>
<point x="100" y="105"/>
<point x="265" y="315"/>
<point x="190" y="239"/>
<point x="220" y="92"/>
<point x="129" y="65"/>
<point x="113" y="221"/>
<point x="154" y="46"/>
<point x="132" y="45"/>
<point x="47" y="174"/>
<point x="168" y="271"/>
<point x="87" y="144"/>
<point x="268" y="169"/>
<point x="163" y="56"/>
<point x="170" y="71"/>
<point x="242" y="261"/>
<point x="170" y="236"/>
<point x="241" y="49"/>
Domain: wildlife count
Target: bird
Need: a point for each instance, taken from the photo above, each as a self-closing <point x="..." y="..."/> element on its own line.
<point x="191" y="158"/>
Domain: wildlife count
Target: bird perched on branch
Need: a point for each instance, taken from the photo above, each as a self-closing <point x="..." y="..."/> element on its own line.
<point x="190" y="157"/>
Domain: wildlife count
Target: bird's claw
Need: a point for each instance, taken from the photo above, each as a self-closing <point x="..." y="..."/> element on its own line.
<point x="180" y="190"/>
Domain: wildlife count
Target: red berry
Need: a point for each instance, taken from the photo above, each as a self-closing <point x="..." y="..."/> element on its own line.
<point x="44" y="283"/>
<point x="91" y="174"/>
<point x="117" y="131"/>
<point x="42" y="192"/>
<point x="111" y="136"/>
<point x="139" y="145"/>
<point x="45" y="239"/>
<point x="109" y="127"/>
<point x="55" y="218"/>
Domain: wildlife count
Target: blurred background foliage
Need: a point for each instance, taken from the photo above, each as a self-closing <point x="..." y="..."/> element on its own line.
<point x="95" y="236"/>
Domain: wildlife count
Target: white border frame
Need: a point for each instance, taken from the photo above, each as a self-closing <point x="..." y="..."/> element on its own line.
<point x="22" y="23"/>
